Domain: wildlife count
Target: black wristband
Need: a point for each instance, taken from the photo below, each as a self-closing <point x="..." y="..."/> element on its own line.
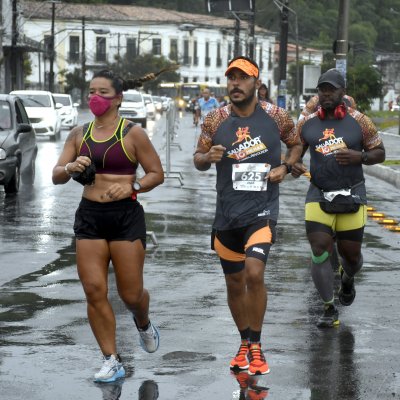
<point x="288" y="167"/>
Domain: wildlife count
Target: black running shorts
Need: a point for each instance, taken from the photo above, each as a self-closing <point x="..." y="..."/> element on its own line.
<point x="117" y="220"/>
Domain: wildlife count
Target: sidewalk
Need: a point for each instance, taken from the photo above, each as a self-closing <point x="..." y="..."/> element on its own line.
<point x="390" y="173"/>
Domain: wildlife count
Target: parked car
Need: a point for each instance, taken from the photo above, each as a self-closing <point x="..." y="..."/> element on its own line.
<point x="157" y="100"/>
<point x="18" y="148"/>
<point x="68" y="111"/>
<point x="43" y="112"/>
<point x="133" y="107"/>
<point x="150" y="107"/>
<point x="166" y="102"/>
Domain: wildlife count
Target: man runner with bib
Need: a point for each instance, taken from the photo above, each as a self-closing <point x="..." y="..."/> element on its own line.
<point x="243" y="140"/>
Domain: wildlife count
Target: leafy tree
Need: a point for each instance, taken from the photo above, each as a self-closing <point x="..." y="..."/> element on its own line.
<point x="364" y="84"/>
<point x="74" y="80"/>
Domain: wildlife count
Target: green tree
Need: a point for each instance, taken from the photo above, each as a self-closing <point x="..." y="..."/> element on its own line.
<point x="364" y="84"/>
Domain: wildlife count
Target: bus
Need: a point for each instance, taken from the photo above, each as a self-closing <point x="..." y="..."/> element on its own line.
<point x="182" y="93"/>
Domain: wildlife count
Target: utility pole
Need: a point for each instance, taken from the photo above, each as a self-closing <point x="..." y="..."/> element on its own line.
<point x="52" y="51"/>
<point x="236" y="35"/>
<point x="83" y="65"/>
<point x="252" y="44"/>
<point x="14" y="51"/>
<point x="341" y="45"/>
<point x="283" y="54"/>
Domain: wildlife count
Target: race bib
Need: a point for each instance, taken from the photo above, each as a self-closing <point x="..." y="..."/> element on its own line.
<point x="250" y="176"/>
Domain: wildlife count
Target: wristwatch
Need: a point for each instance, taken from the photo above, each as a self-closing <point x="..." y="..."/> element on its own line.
<point x="288" y="167"/>
<point x="364" y="157"/>
<point x="136" y="186"/>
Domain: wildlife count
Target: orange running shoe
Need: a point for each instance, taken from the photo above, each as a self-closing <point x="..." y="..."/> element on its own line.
<point x="241" y="361"/>
<point x="258" y="364"/>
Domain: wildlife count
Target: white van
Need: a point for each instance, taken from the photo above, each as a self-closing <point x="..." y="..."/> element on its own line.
<point x="42" y="111"/>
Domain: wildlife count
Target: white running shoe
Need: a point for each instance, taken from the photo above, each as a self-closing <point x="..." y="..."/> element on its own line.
<point x="111" y="370"/>
<point x="150" y="339"/>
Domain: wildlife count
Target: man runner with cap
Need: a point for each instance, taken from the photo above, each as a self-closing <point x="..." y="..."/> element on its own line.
<point x="243" y="140"/>
<point x="340" y="140"/>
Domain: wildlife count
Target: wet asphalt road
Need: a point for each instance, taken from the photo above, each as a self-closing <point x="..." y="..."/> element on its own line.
<point x="47" y="350"/>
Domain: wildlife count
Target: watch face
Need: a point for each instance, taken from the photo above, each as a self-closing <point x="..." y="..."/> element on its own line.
<point x="136" y="186"/>
<point x="364" y="156"/>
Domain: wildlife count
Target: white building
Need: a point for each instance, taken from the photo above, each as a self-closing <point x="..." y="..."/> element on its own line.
<point x="201" y="44"/>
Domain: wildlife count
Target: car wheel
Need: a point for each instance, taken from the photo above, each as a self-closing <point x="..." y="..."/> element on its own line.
<point x="13" y="185"/>
<point x="28" y="177"/>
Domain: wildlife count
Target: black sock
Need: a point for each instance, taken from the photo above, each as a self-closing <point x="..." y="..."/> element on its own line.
<point x="144" y="328"/>
<point x="244" y="334"/>
<point x="255" y="336"/>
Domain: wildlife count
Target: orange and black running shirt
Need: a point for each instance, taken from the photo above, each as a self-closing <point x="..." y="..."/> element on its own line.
<point x="252" y="144"/>
<point x="109" y="156"/>
<point x="324" y="137"/>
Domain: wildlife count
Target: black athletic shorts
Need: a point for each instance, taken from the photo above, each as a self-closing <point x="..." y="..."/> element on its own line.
<point x="117" y="220"/>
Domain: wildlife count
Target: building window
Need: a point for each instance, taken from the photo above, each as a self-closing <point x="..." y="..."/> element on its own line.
<point x="156" y="47"/>
<point x="206" y="78"/>
<point x="173" y="50"/>
<point x="229" y="52"/>
<point x="101" y="55"/>
<point x="270" y="58"/>
<point x="185" y="79"/>
<point x="186" y="58"/>
<point x="219" y="59"/>
<point x="194" y="79"/>
<point x="207" y="60"/>
<point x="195" y="56"/>
<point x="218" y="80"/>
<point x="47" y="45"/>
<point x="260" y="60"/>
<point x="73" y="49"/>
<point x="131" y="49"/>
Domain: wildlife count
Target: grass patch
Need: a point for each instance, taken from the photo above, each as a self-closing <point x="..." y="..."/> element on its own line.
<point x="391" y="162"/>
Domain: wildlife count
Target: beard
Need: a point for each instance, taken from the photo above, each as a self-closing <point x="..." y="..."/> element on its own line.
<point x="242" y="102"/>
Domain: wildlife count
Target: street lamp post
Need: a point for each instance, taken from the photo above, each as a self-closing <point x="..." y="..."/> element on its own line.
<point x="279" y="4"/>
<point x="52" y="52"/>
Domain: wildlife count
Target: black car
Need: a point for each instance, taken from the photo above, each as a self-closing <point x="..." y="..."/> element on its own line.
<point x="18" y="148"/>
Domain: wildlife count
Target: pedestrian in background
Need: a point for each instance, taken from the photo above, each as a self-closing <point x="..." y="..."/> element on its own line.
<point x="207" y="103"/>
<point x="243" y="140"/>
<point x="109" y="222"/>
<point x="340" y="140"/>
<point x="263" y="93"/>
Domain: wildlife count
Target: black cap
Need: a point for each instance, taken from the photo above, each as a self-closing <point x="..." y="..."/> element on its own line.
<point x="333" y="77"/>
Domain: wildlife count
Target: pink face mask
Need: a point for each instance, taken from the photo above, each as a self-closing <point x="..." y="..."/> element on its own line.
<point x="99" y="105"/>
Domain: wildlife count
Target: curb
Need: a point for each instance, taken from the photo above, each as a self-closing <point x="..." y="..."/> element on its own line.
<point x="385" y="173"/>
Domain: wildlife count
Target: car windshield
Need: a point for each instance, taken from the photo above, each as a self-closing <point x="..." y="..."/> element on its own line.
<point x="133" y="97"/>
<point x="5" y="115"/>
<point x="35" y="100"/>
<point x="64" y="100"/>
